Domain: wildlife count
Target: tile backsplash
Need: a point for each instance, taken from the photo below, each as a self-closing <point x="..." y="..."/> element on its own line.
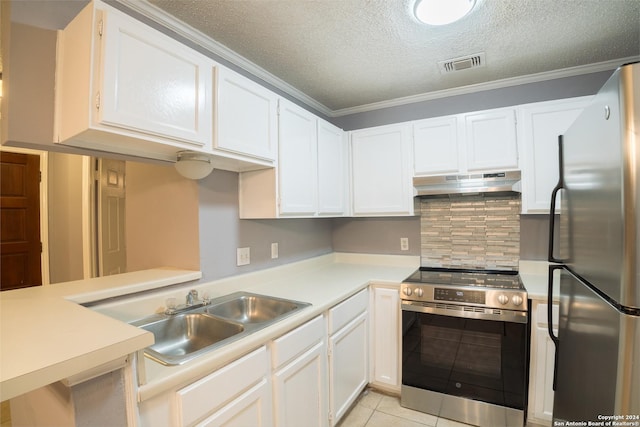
<point x="480" y="231"/>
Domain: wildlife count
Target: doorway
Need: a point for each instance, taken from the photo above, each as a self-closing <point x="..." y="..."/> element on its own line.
<point x="20" y="244"/>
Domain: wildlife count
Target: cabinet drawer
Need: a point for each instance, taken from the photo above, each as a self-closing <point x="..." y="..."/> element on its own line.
<point x="297" y="341"/>
<point x="211" y="392"/>
<point x="541" y="314"/>
<point x="347" y="310"/>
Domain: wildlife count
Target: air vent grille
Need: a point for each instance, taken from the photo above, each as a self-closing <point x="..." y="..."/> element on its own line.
<point x="463" y="63"/>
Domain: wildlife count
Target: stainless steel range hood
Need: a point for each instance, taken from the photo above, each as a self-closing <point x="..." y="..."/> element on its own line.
<point x="444" y="185"/>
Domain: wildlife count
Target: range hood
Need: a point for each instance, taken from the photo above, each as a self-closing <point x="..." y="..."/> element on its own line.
<point x="481" y="183"/>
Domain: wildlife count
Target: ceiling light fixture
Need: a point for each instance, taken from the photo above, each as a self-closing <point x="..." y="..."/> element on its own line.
<point x="193" y="165"/>
<point x="442" y="12"/>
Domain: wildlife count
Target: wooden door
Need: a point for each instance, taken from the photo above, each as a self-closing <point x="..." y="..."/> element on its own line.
<point x="20" y="247"/>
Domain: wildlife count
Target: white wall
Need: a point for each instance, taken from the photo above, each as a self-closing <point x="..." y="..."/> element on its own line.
<point x="65" y="217"/>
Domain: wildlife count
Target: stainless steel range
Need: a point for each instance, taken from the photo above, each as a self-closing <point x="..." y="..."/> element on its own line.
<point x="465" y="345"/>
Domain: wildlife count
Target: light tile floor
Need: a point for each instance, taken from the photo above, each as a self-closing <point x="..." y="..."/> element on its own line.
<point x="374" y="409"/>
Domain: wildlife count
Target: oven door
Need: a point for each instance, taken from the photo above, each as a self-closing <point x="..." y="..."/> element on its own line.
<point x="450" y="350"/>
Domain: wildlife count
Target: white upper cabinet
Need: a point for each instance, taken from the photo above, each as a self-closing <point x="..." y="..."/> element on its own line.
<point x="297" y="166"/>
<point x="491" y="140"/>
<point x="332" y="170"/>
<point x="435" y="146"/>
<point x="381" y="171"/>
<point x="471" y="142"/>
<point x="247" y="117"/>
<point x="310" y="178"/>
<point x="124" y="87"/>
<point x="541" y="124"/>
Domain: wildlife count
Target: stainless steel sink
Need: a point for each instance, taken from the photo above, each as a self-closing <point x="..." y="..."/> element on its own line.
<point x="183" y="336"/>
<point x="251" y="308"/>
<point x="191" y="333"/>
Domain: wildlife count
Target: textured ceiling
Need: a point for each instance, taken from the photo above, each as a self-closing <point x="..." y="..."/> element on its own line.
<point x="348" y="53"/>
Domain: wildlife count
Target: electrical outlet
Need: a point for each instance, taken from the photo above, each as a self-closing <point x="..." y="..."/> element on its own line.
<point x="243" y="256"/>
<point x="274" y="250"/>
<point x="404" y="244"/>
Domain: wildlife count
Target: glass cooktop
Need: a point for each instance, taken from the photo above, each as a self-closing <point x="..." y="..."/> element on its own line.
<point x="497" y="279"/>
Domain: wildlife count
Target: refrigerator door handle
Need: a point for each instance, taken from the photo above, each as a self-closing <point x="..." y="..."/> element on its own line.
<point x="554" y="338"/>
<point x="552" y="210"/>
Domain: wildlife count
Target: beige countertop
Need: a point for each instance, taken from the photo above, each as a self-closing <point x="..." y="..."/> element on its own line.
<point x="534" y="275"/>
<point x="322" y="281"/>
<point x="46" y="336"/>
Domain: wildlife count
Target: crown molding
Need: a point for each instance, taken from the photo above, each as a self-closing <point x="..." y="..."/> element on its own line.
<point x="173" y="24"/>
<point x="496" y="84"/>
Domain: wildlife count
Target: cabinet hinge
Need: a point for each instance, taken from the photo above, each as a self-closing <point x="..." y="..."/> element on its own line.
<point x="98" y="101"/>
<point x="40" y="247"/>
<point x="100" y="27"/>
<point x="40" y="176"/>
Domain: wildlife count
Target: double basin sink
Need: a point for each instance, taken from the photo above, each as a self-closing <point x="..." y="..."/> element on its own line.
<point x="193" y="332"/>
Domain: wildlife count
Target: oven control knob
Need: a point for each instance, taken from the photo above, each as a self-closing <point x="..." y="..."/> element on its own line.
<point x="407" y="291"/>
<point x="419" y="292"/>
<point x="516" y="300"/>
<point x="503" y="299"/>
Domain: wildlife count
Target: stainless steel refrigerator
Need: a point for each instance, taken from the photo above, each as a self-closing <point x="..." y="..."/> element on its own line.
<point x="597" y="364"/>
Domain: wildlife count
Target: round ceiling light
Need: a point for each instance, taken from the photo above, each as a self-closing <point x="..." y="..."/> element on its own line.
<point x="442" y="12"/>
<point x="193" y="165"/>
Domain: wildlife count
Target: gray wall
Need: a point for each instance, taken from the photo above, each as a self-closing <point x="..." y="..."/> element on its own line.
<point x="221" y="232"/>
<point x="568" y="87"/>
<point x="376" y="235"/>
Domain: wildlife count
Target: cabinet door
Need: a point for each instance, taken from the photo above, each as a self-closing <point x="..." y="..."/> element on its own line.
<point x="541" y="124"/>
<point x="385" y="337"/>
<point x="545" y="356"/>
<point x="300" y="396"/>
<point x="491" y="140"/>
<point x="297" y="166"/>
<point x="348" y="367"/>
<point x="153" y="84"/>
<point x="252" y="408"/>
<point x="542" y="364"/>
<point x="246" y="116"/>
<point x="332" y="169"/>
<point x="435" y="146"/>
<point x="381" y="171"/>
<point x="208" y="395"/>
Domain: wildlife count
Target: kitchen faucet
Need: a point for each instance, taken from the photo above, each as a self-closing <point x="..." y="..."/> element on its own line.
<point x="191" y="301"/>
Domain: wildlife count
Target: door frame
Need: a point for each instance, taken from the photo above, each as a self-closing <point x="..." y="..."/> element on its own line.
<point x="44" y="205"/>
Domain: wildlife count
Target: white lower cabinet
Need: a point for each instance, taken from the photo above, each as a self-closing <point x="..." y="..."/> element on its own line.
<point x="299" y="378"/>
<point x="542" y="361"/>
<point x="229" y="396"/>
<point x="348" y="354"/>
<point x="385" y="337"/>
<point x="309" y="376"/>
<point x="253" y="408"/>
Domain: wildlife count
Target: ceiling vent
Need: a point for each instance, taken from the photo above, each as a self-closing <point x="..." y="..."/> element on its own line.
<point x="463" y="63"/>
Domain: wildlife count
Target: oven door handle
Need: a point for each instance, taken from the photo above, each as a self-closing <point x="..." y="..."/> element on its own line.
<point x="503" y="316"/>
